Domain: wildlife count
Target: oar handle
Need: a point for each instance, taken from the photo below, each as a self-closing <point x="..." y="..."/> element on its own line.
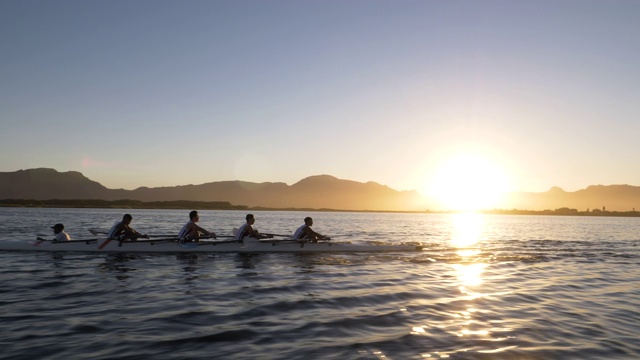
<point x="276" y="235"/>
<point x="201" y="237"/>
<point x="216" y="242"/>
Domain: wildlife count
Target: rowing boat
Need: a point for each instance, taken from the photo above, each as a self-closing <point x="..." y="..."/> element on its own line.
<point x="248" y="245"/>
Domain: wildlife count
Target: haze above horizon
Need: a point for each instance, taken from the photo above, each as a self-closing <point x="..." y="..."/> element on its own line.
<point x="459" y="100"/>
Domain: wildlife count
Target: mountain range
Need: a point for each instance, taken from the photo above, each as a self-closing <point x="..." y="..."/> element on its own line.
<point x="314" y="192"/>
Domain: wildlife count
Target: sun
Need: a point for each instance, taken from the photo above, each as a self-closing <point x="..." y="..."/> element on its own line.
<point x="468" y="182"/>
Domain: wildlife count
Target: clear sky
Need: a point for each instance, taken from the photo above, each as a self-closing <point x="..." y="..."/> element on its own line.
<point x="522" y="95"/>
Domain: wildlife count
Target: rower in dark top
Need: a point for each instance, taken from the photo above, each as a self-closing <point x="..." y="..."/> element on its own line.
<point x="122" y="230"/>
<point x="246" y="230"/>
<point x="305" y="232"/>
<point x="190" y="231"/>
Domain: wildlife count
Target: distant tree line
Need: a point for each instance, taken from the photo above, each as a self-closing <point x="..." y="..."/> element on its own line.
<point x="225" y="205"/>
<point x="122" y="204"/>
<point x="565" y="211"/>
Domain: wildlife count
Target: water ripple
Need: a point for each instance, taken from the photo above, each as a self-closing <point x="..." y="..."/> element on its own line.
<point x="528" y="288"/>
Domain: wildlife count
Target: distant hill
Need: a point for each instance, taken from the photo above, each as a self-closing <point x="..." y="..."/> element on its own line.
<point x="49" y="184"/>
<point x="609" y="197"/>
<point x="314" y="192"/>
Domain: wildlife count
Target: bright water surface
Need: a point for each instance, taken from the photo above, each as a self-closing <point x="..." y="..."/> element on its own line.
<point x="486" y="287"/>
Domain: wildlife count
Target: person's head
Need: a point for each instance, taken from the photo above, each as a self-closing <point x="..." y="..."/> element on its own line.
<point x="127" y="219"/>
<point x="250" y="219"/>
<point x="57" y="228"/>
<point x="308" y="221"/>
<point x="193" y="216"/>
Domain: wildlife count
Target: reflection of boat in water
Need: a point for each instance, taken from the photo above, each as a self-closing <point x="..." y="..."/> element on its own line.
<point x="248" y="245"/>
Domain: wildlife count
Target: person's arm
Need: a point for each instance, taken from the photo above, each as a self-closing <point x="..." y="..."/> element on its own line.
<point x="198" y="228"/>
<point x="252" y="233"/>
<point x="255" y="234"/>
<point x="315" y="235"/>
<point x="131" y="232"/>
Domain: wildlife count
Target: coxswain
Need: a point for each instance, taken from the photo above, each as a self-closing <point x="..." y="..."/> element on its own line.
<point x="61" y="235"/>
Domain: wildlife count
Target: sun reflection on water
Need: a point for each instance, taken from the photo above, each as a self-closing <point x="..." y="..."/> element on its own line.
<point x="467" y="228"/>
<point x="465" y="317"/>
<point x="469" y="275"/>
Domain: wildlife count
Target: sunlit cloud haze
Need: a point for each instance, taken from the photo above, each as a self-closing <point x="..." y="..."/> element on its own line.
<point x="462" y="100"/>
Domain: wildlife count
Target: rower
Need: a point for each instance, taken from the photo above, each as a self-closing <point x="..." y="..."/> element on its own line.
<point x="246" y="230"/>
<point x="121" y="230"/>
<point x="305" y="232"/>
<point x="61" y="235"/>
<point x="191" y="232"/>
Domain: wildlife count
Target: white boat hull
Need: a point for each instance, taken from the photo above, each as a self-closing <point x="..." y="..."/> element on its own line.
<point x="158" y="246"/>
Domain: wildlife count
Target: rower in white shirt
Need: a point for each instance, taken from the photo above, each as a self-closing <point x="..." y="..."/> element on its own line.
<point x="246" y="230"/>
<point x="305" y="232"/>
<point x="192" y="232"/>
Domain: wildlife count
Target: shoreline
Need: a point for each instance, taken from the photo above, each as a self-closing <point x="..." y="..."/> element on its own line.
<point x="223" y="205"/>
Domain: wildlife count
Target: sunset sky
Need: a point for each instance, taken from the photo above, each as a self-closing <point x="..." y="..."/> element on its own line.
<point x="417" y="95"/>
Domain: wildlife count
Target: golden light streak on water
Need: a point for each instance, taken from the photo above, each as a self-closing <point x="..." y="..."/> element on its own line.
<point x="467" y="228"/>
<point x="497" y="350"/>
<point x="468" y="253"/>
<point x="466" y="234"/>
<point x="418" y="329"/>
<point x="469" y="275"/>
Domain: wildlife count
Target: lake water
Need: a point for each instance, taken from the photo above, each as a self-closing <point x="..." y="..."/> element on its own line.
<point x="485" y="287"/>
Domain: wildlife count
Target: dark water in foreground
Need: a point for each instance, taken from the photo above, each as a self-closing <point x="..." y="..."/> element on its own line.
<point x="486" y="287"/>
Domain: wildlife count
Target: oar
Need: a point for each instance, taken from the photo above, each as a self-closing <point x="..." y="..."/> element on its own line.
<point x="216" y="242"/>
<point x="188" y="245"/>
<point x="67" y="241"/>
<point x="98" y="232"/>
<point x="201" y="237"/>
<point x="289" y="236"/>
<point x="235" y="233"/>
<point x="104" y="232"/>
<point x="217" y="237"/>
<point x="125" y="241"/>
<point x="177" y="239"/>
<point x="211" y="237"/>
<point x="276" y="235"/>
<point x="281" y="240"/>
<point x="192" y="245"/>
<point x="301" y="242"/>
<point x="151" y="240"/>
